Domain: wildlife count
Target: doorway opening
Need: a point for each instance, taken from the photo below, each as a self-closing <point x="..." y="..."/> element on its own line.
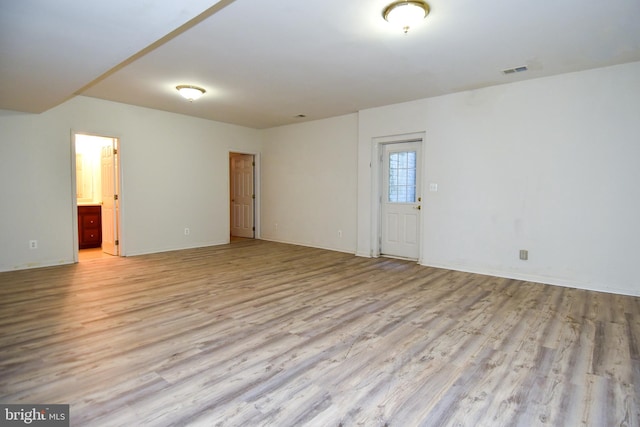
<point x="397" y="197"/>
<point x="96" y="186"/>
<point x="242" y="192"/>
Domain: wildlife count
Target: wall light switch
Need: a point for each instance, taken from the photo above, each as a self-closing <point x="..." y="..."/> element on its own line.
<point x="433" y="187"/>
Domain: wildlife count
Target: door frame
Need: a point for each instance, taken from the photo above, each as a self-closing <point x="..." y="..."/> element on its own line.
<point x="74" y="200"/>
<point x="256" y="190"/>
<point x="377" y="152"/>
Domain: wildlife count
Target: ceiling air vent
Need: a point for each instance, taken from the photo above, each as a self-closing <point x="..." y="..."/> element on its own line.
<point x="515" y="70"/>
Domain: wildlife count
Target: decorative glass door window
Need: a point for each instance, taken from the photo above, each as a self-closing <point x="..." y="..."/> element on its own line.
<point x="402" y="177"/>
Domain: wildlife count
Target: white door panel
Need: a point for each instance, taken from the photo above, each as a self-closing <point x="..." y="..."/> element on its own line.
<point x="400" y="201"/>
<point x="411" y="229"/>
<point x="392" y="228"/>
<point x="109" y="180"/>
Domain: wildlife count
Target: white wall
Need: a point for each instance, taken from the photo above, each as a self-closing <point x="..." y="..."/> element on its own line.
<point x="174" y="175"/>
<point x="309" y="183"/>
<point x="549" y="165"/>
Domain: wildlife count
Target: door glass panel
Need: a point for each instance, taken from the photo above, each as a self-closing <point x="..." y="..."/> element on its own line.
<point x="402" y="177"/>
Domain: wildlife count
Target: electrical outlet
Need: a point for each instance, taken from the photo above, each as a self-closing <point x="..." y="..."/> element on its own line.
<point x="33" y="244"/>
<point x="340" y="233"/>
<point x="524" y="254"/>
<point x="187" y="231"/>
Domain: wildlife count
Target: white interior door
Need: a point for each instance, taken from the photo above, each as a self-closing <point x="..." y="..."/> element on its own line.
<point x="109" y="163"/>
<point x="400" y="202"/>
<point x="242" y="195"/>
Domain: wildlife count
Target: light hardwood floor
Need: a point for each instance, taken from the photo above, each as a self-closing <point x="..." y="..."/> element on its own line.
<point x="258" y="333"/>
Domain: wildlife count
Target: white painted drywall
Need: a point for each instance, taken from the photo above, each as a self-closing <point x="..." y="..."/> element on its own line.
<point x="309" y="184"/>
<point x="174" y="175"/>
<point x="549" y="165"/>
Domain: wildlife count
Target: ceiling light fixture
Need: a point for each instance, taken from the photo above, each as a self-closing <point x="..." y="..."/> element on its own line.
<point x="406" y="13"/>
<point x="190" y="92"/>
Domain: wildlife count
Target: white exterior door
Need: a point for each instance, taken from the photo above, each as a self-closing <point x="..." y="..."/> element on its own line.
<point x="400" y="202"/>
<point x="109" y="178"/>
<point x="242" y="195"/>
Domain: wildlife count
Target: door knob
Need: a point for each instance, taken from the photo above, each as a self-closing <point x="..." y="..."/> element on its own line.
<point x="417" y="207"/>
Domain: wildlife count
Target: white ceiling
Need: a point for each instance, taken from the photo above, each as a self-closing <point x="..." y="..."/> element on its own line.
<point x="265" y="62"/>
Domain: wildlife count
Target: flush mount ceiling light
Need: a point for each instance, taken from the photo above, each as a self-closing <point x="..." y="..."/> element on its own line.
<point x="406" y="13"/>
<point x="190" y="92"/>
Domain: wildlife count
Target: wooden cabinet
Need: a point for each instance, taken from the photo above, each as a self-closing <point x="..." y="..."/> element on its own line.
<point x="89" y="226"/>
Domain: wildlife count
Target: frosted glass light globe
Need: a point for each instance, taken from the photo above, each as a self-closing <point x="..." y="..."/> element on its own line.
<point x="406" y="14"/>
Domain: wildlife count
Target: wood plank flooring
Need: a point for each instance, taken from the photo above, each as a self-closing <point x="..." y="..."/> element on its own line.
<point x="264" y="334"/>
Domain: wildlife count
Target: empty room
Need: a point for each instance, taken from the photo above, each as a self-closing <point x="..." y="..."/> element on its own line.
<point x="362" y="213"/>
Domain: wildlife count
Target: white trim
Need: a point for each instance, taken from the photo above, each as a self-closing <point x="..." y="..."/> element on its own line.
<point x="74" y="200"/>
<point x="534" y="278"/>
<point x="376" y="186"/>
<point x="157" y="250"/>
<point x="308" y="245"/>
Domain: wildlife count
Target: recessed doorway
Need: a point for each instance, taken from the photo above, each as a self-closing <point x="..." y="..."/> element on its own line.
<point x="97" y="200"/>
<point x="396" y="196"/>
<point x="400" y="202"/>
<point x="242" y="192"/>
